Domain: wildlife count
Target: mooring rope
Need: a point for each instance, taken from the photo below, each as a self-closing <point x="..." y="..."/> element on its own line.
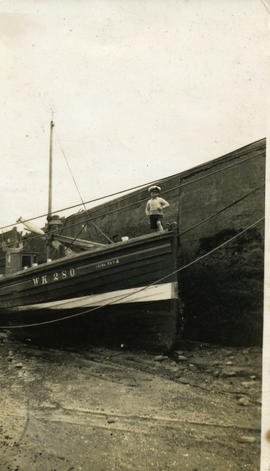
<point x="109" y="303"/>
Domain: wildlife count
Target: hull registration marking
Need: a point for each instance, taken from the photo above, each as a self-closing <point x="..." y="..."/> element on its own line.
<point x="56" y="276"/>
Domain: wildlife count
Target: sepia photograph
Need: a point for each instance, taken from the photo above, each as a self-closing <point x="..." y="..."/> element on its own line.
<point x="133" y="259"/>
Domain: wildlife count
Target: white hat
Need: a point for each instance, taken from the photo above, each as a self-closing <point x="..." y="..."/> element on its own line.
<point x="154" y="188"/>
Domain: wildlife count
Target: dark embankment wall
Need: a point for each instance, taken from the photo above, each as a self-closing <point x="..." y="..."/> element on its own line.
<point x="223" y="293"/>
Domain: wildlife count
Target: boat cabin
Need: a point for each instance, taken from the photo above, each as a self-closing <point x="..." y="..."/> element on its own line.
<point x="17" y="259"/>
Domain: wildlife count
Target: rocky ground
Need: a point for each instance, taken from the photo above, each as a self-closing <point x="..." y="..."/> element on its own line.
<point x="101" y="409"/>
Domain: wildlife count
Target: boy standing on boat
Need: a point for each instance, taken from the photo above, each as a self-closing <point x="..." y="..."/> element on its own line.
<point x="154" y="208"/>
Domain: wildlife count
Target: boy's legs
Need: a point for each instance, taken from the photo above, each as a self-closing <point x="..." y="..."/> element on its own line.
<point x="155" y="223"/>
<point x="159" y="225"/>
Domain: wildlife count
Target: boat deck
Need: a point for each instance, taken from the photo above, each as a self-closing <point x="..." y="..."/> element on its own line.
<point x="96" y="250"/>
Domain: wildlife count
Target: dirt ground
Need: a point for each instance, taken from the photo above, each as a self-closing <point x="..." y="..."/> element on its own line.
<point x="102" y="409"/>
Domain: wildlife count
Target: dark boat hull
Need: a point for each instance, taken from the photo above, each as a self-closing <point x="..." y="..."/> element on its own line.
<point x="127" y="291"/>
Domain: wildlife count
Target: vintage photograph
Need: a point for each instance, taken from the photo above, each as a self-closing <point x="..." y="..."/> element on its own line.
<point x="132" y="235"/>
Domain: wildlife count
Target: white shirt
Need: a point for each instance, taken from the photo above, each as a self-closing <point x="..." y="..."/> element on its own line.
<point x="155" y="206"/>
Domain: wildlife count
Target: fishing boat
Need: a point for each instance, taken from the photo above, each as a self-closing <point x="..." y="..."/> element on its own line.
<point x="128" y="289"/>
<point x="201" y="278"/>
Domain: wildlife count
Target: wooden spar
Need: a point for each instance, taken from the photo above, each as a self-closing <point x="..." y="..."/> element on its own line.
<point x="80" y="243"/>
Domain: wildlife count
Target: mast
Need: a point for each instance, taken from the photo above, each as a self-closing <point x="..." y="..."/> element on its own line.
<point x="49" y="216"/>
<point x="50" y="171"/>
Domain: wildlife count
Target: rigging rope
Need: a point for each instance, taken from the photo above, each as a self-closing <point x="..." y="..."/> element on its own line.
<point x="81" y="198"/>
<point x="142" y="186"/>
<point x="212" y="216"/>
<point x="181" y="233"/>
<point x="144" y="199"/>
<point x="184" y="267"/>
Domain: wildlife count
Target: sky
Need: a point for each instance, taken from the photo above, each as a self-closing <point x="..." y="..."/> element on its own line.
<point x="138" y="90"/>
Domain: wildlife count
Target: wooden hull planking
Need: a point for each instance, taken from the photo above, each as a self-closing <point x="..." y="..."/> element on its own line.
<point x="131" y="287"/>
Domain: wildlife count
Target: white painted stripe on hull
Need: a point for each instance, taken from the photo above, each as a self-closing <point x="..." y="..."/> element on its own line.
<point x="163" y="291"/>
